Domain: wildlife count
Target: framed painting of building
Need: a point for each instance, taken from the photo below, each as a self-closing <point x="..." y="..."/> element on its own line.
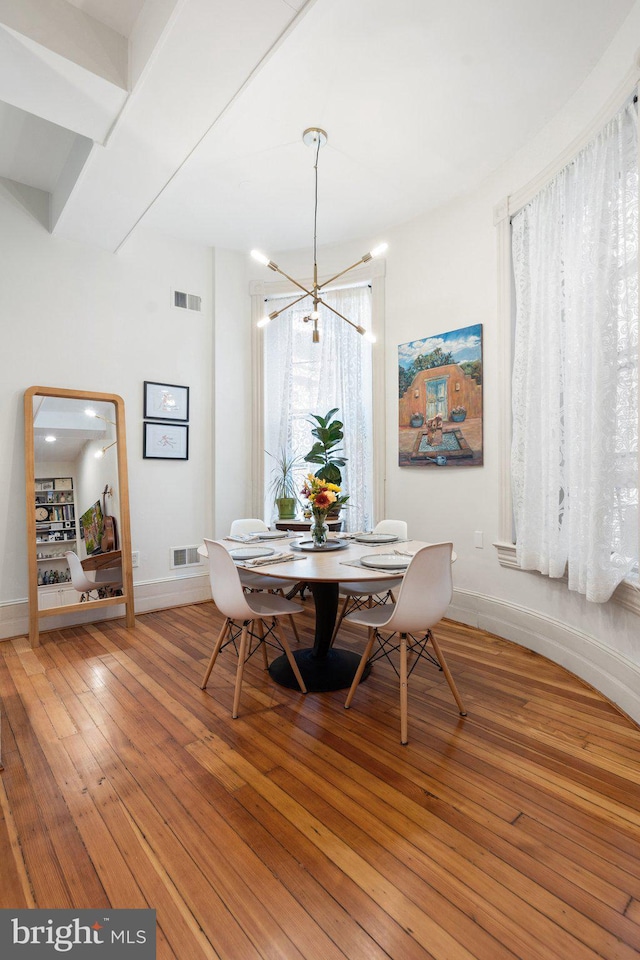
<point x="440" y="400"/>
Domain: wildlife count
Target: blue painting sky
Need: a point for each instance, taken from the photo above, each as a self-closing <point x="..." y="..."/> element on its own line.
<point x="464" y="344"/>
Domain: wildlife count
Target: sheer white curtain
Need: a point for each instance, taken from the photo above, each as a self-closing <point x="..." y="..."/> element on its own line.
<point x="575" y="370"/>
<point x="302" y="377"/>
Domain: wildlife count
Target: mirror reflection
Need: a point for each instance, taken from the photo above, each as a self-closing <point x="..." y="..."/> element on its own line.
<point x="77" y="502"/>
<point x="76" y="499"/>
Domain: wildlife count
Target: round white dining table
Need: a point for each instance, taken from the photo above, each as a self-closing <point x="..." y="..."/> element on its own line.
<point x="323" y="667"/>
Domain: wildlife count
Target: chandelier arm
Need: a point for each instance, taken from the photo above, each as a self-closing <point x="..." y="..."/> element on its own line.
<point x="342" y="316"/>
<point x="342" y="273"/>
<point x="289" y="305"/>
<point x="275" y="267"/>
<point x="98" y="416"/>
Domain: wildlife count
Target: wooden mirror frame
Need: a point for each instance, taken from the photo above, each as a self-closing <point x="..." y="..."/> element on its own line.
<point x="124" y="530"/>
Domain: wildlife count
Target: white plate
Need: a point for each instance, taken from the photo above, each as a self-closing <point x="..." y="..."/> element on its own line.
<point x="270" y="534"/>
<point x="376" y="538"/>
<point x="251" y="553"/>
<point x="385" y="561"/>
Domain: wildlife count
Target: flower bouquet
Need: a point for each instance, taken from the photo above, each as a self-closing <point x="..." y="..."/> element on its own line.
<point x="320" y="496"/>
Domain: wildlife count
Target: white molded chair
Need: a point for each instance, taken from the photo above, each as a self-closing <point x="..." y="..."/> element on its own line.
<point x="254" y="581"/>
<point x="369" y="593"/>
<point x="242" y="611"/>
<point x="423" y="600"/>
<point x="246" y="526"/>
<point x="90" y="582"/>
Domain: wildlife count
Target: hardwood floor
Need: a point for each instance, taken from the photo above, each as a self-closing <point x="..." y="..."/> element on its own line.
<point x="301" y="830"/>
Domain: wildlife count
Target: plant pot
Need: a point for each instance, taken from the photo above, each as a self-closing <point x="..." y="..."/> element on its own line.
<point x="286" y="508"/>
<point x="458" y="417"/>
<point x="417" y="421"/>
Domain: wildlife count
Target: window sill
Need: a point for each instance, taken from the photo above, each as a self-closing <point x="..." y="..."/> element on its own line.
<point x="627" y="594"/>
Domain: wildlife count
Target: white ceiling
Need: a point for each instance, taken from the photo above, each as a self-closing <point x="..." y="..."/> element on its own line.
<point x="67" y="421"/>
<point x="421" y="100"/>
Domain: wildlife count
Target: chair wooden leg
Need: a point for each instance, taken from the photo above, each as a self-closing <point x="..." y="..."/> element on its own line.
<point x="260" y="631"/>
<point x="292" y="621"/>
<point x="216" y="651"/>
<point x="291" y="618"/>
<point x="290" y="657"/>
<point x="339" y="620"/>
<point x="363" y="662"/>
<point x="447" y="673"/>
<point x="242" y="653"/>
<point x="403" y="690"/>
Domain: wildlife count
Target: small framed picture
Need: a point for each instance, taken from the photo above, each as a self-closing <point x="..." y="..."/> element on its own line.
<point x="166" y="441"/>
<point x="165" y="401"/>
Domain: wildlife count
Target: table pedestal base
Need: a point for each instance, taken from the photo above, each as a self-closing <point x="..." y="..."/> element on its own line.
<point x="334" y="671"/>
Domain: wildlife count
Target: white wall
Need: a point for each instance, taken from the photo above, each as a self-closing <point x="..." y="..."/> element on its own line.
<point x="76" y="316"/>
<point x="233" y="387"/>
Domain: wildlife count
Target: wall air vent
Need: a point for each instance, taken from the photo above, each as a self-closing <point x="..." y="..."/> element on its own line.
<point x="185" y="557"/>
<point x="187" y="301"/>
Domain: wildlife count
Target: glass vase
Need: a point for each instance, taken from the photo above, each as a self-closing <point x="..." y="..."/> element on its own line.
<point x="319" y="528"/>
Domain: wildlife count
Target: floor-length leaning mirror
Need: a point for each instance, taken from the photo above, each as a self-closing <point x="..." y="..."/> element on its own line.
<point x="77" y="497"/>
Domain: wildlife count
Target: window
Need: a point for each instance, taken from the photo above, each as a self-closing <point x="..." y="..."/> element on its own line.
<point x="574" y="457"/>
<point x="302" y="377"/>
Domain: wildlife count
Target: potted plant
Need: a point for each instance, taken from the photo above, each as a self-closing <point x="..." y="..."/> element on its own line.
<point x="458" y="414"/>
<point x="283" y="483"/>
<point x="417" y="420"/>
<point x="328" y="433"/>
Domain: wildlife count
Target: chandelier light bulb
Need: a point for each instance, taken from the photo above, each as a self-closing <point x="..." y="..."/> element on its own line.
<point x="260" y="257"/>
<point x="92" y="413"/>
<point x="265" y="320"/>
<point x="369" y="336"/>
<point x="379" y="250"/>
<point x="100" y="453"/>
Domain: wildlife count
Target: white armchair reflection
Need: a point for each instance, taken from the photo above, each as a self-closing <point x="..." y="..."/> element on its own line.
<point x="94" y="584"/>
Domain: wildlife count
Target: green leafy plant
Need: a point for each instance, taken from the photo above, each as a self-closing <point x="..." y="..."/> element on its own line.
<point x="283" y="481"/>
<point x="329" y="435"/>
<point x="327" y="451"/>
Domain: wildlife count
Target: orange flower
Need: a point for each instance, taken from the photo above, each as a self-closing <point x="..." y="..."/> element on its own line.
<point x="324" y="499"/>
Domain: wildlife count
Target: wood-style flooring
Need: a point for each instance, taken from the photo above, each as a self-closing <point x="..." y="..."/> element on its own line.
<point x="301" y="830"/>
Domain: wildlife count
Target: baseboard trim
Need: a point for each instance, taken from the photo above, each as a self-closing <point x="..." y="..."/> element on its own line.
<point x="150" y="595"/>
<point x="607" y="671"/>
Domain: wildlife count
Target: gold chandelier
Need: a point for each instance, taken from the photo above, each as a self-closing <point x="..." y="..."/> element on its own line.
<point x="314" y="136"/>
